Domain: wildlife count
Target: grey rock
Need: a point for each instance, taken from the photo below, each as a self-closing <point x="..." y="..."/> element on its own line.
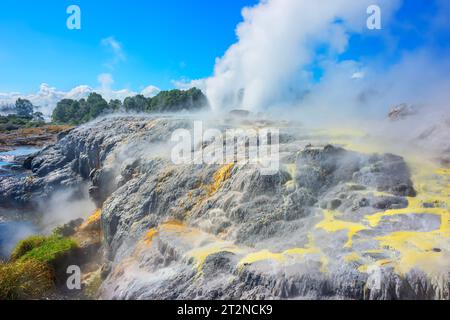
<point x="125" y="161"/>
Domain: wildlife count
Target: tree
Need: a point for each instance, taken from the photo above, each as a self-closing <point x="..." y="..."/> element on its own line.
<point x="78" y="112"/>
<point x="24" y="108"/>
<point x="177" y="100"/>
<point x="62" y="113"/>
<point x="38" y="117"/>
<point x="115" y="105"/>
<point x="96" y="105"/>
<point x="135" y="104"/>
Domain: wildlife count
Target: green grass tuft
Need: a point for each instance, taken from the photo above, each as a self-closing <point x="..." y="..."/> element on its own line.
<point x="26" y="246"/>
<point x="30" y="273"/>
<point x="25" y="280"/>
<point x="44" y="249"/>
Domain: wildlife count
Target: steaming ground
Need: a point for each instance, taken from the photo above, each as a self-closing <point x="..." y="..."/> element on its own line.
<point x="334" y="221"/>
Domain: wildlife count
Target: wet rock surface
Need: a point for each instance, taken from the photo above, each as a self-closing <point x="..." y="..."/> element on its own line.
<point x="329" y="223"/>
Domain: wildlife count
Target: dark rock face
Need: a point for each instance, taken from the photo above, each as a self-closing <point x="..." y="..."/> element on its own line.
<point x="64" y="165"/>
<point x="198" y="231"/>
<point x="321" y="169"/>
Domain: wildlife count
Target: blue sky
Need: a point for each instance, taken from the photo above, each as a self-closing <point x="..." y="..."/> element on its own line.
<point x="161" y="40"/>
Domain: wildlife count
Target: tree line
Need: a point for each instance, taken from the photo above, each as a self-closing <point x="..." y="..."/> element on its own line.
<point x="22" y="115"/>
<point x="76" y="112"/>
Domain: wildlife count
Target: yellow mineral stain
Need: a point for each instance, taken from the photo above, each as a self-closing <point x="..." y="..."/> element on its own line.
<point x="380" y="263"/>
<point x="417" y="249"/>
<point x="330" y="224"/>
<point x="180" y="229"/>
<point x="222" y="175"/>
<point x="433" y="187"/>
<point x="374" y="251"/>
<point x="200" y="254"/>
<point x="428" y="251"/>
<point x="415" y="205"/>
<point x="204" y="244"/>
<point x="290" y="255"/>
<point x="260" y="256"/>
<point x="352" y="257"/>
<point x="93" y="218"/>
<point x="173" y="223"/>
<point x="149" y="236"/>
<point x="292" y="169"/>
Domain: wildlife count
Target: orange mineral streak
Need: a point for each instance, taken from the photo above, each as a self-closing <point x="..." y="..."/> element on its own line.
<point x="149" y="236"/>
<point x="92" y="219"/>
<point x="222" y="175"/>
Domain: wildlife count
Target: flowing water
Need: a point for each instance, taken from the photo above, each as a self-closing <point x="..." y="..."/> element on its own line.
<point x="12" y="232"/>
<point x="8" y="159"/>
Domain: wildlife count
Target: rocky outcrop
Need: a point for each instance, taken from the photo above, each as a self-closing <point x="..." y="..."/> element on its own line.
<point x="328" y="223"/>
<point x="37" y="137"/>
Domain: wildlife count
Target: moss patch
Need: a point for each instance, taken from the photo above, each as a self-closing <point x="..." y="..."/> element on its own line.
<point x="30" y="274"/>
<point x="43" y="249"/>
<point x="25" y="246"/>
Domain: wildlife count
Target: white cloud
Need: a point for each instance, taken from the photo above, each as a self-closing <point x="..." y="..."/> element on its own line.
<point x="106" y="80"/>
<point x="185" y="84"/>
<point x="47" y="97"/>
<point x="277" y="42"/>
<point x="150" y="91"/>
<point x="117" y="50"/>
<point x="358" y="75"/>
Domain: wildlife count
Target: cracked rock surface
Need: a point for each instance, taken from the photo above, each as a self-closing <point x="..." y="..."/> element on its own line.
<point x="330" y="223"/>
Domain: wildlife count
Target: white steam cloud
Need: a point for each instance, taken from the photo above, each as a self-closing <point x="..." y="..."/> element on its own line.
<point x="278" y="40"/>
<point x="47" y="97"/>
<point x="281" y="43"/>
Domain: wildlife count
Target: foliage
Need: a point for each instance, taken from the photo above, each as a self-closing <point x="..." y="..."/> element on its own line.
<point x="21" y="117"/>
<point x="43" y="249"/>
<point x="24" y="108"/>
<point x="177" y="100"/>
<point x="25" y="280"/>
<point x="30" y="272"/>
<point x="26" y="246"/>
<point x="74" y="112"/>
<point x="115" y="105"/>
<point x="96" y="105"/>
<point x="136" y="104"/>
<point x="15" y="122"/>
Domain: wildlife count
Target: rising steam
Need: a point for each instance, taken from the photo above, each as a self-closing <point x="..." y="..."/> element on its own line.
<point x="289" y="55"/>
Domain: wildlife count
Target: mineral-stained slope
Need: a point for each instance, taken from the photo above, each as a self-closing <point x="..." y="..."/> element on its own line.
<point x="329" y="223"/>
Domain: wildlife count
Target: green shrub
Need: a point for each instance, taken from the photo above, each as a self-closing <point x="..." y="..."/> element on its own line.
<point x="43" y="249"/>
<point x="26" y="246"/>
<point x="30" y="273"/>
<point x="75" y="112"/>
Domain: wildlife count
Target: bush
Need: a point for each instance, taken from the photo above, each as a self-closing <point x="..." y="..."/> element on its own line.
<point x="177" y="100"/>
<point x="74" y="112"/>
<point x="30" y="274"/>
<point x="24" y="108"/>
<point x="25" y="280"/>
<point x="43" y="249"/>
<point x="26" y="246"/>
<point x="14" y="122"/>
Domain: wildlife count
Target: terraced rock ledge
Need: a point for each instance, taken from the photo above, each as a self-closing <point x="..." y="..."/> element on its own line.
<point x="331" y="223"/>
